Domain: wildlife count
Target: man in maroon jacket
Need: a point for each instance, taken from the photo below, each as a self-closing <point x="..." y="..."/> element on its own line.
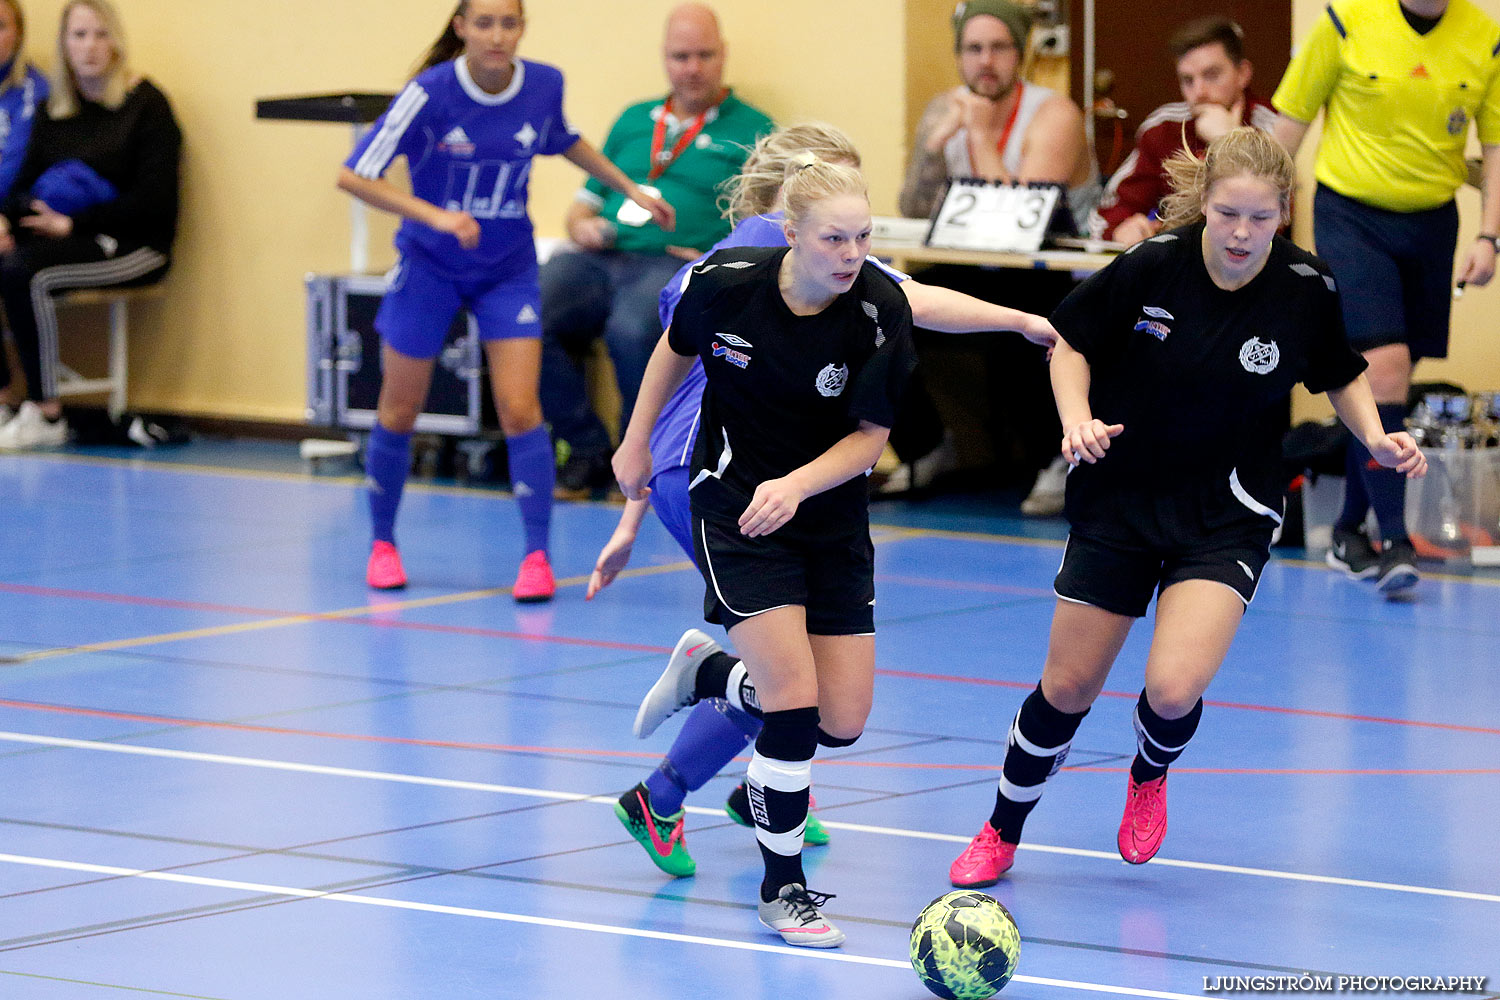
<point x="1214" y="76"/>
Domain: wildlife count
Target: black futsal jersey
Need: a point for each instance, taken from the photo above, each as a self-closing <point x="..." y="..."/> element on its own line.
<point x="783" y="389"/>
<point x="1199" y="377"/>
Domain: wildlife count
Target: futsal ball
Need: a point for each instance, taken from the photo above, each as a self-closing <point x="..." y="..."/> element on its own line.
<point x="965" y="946"/>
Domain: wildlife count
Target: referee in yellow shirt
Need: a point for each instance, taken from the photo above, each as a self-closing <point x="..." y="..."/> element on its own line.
<point x="1400" y="81"/>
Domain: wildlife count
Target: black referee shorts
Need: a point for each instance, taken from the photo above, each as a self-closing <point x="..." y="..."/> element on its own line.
<point x="833" y="578"/>
<point x="1122" y="581"/>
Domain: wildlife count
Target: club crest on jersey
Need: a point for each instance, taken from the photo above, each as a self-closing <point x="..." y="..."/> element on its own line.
<point x="832" y="379"/>
<point x="737" y="358"/>
<point x="456" y="143"/>
<point x="526" y="136"/>
<point x="1458" y="121"/>
<point x="1259" y="357"/>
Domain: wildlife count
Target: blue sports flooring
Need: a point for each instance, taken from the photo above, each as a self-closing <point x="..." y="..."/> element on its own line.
<point x="227" y="770"/>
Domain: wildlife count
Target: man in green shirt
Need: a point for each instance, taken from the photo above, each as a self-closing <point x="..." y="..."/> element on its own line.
<point x="682" y="147"/>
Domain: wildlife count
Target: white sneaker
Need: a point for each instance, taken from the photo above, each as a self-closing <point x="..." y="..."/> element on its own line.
<point x="5" y="414"/>
<point x="794" y="915"/>
<point x="919" y="474"/>
<point x="29" y="429"/>
<point x="674" y="688"/>
<point x="1046" y="496"/>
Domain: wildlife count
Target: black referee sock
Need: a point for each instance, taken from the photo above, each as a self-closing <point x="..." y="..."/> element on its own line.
<point x="777" y="785"/>
<point x="1039" y="741"/>
<point x="1160" y="741"/>
<point x="1387" y="487"/>
<point x="723" y="676"/>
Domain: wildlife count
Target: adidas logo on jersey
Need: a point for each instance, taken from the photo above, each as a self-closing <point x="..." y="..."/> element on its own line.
<point x="457" y="142"/>
<point x="526" y="315"/>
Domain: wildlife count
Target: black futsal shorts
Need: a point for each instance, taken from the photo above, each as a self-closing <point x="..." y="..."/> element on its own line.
<point x="1122" y="581"/>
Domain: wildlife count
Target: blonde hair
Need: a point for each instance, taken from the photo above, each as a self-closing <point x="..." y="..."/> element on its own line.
<point x="18" y="64"/>
<point x="754" y="189"/>
<point x="1240" y="151"/>
<point x="65" y="98"/>
<point x="810" y="180"/>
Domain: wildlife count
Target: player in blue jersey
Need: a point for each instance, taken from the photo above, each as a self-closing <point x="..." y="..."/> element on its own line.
<point x="22" y="89"/>
<point x="469" y="124"/>
<point x="718" y="729"/>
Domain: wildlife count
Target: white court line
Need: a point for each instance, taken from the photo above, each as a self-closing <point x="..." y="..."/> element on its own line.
<point x="546" y="793"/>
<point x="522" y="918"/>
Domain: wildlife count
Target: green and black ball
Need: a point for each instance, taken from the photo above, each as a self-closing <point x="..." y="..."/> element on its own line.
<point x="965" y="946"/>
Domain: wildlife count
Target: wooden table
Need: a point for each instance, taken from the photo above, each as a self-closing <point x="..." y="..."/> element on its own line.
<point x="903" y="256"/>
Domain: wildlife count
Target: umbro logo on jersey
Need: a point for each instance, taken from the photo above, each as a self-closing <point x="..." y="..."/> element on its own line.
<point x="526" y="315"/>
<point x="730" y="338"/>
<point x="457" y="142"/>
<point x="1156" y="312"/>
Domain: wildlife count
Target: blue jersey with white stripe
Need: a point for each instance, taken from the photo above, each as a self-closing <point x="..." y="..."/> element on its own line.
<point x="675" y="429"/>
<point x="470" y="151"/>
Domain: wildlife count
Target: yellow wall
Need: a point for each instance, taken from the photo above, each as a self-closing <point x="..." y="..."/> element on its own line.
<point x="260" y="210"/>
<point x="1474" y="349"/>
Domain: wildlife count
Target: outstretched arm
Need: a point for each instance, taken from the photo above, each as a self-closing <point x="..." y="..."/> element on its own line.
<point x="1355" y="405"/>
<point x="948" y="311"/>
<point x="615" y="555"/>
<point x="597" y="165"/>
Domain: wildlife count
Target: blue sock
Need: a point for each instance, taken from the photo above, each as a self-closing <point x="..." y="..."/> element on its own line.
<point x="713" y="733"/>
<point x="1387" y="487"/>
<point x="1356" y="499"/>
<point x="532" y="474"/>
<point x="387" y="462"/>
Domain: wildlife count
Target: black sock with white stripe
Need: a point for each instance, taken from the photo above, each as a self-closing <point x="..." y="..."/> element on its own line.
<point x="777" y="785"/>
<point x="1160" y="741"/>
<point x="723" y="676"/>
<point x="1039" y="741"/>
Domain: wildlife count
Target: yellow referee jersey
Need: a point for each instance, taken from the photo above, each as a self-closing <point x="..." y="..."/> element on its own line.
<point x="1399" y="103"/>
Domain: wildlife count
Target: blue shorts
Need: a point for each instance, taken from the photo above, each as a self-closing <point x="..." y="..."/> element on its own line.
<point x="420" y="303"/>
<point x="1394" y="271"/>
<point x="669" y="498"/>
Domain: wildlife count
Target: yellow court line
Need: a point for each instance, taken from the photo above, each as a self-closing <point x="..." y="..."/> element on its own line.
<point x="215" y="631"/>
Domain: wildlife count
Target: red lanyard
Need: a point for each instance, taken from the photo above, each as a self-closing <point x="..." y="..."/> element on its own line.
<point x="1010" y="122"/>
<point x="660" y="161"/>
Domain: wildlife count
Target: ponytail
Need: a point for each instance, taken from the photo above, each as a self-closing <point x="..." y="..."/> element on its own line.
<point x="448" y="44"/>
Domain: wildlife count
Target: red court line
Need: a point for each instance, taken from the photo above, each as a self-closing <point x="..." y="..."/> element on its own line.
<point x="372" y="618"/>
<point x="1277" y="709"/>
<point x="173" y="720"/>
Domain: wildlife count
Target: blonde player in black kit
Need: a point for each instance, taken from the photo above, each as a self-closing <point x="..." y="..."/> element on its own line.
<point x="1171" y="367"/>
<point x="806" y="349"/>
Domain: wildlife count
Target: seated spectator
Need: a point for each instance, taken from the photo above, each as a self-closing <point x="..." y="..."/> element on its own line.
<point x="997" y="126"/>
<point x="22" y="89"/>
<point x="94" y="204"/>
<point x="681" y="147"/>
<point x="1215" y="78"/>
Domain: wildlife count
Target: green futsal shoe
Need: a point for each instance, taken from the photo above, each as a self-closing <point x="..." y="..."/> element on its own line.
<point x="661" y="836"/>
<point x="815" y="834"/>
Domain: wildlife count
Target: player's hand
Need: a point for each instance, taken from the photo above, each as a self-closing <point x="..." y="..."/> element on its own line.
<point x="1399" y="451"/>
<point x="773" y="505"/>
<point x="614" y="557"/>
<point x="1040" y="331"/>
<point x="632" y="468"/>
<point x="462" y="226"/>
<point x="663" y="214"/>
<point x="1134" y="229"/>
<point x="47" y="222"/>
<point x="684" y="253"/>
<point x="1088" y="441"/>
<point x="1479" y="264"/>
<point x="592" y="232"/>
<point x="1213" y="120"/>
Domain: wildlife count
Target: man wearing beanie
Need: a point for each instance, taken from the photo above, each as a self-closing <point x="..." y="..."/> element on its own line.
<point x="997" y="126"/>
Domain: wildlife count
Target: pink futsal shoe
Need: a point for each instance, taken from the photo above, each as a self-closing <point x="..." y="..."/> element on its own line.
<point x="983" y="862"/>
<point x="1144" y="825"/>
<point x="534" y="583"/>
<point x="384" y="570"/>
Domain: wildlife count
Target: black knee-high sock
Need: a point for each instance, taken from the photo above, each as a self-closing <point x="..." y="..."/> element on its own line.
<point x="777" y="783"/>
<point x="1039" y="740"/>
<point x="724" y="676"/>
<point x="1356" y="499"/>
<point x="1387" y="487"/>
<point x="1160" y="741"/>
